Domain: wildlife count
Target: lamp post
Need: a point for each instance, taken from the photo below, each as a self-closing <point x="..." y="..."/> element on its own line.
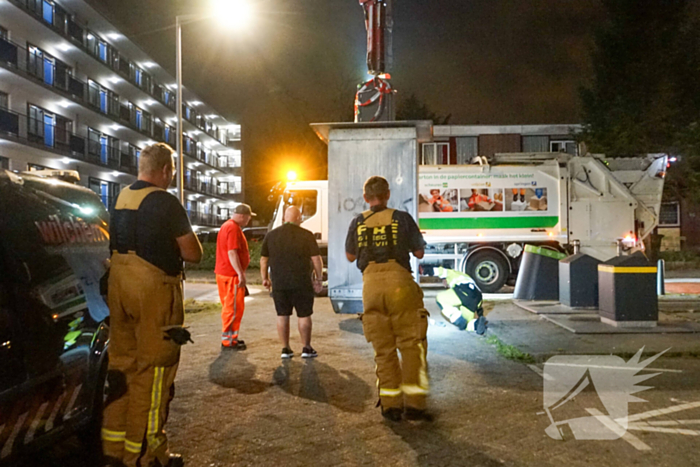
<point x="231" y="14"/>
<point x="178" y="101"/>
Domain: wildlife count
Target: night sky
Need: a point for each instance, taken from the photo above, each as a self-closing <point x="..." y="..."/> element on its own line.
<point x="482" y="61"/>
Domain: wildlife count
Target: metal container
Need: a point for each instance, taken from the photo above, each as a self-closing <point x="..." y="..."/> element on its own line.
<point x="627" y="292"/>
<point x="355" y="153"/>
<point x="538" y="277"/>
<point x="578" y="281"/>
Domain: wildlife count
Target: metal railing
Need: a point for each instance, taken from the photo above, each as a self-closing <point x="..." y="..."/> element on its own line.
<point x="62" y="141"/>
<point x="200" y="218"/>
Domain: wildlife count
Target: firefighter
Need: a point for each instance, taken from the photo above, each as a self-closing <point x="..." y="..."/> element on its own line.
<point x="462" y="303"/>
<point x="394" y="318"/>
<point x="150" y="236"/>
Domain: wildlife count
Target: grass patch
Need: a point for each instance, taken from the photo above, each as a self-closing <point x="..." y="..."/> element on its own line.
<point x="509" y="351"/>
<point x="192" y="306"/>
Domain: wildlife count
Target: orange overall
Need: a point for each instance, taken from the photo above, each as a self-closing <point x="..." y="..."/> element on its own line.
<point x="232" y="306"/>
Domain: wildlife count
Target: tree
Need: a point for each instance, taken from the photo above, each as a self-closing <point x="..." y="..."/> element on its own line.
<point x="645" y="94"/>
<point x="412" y="108"/>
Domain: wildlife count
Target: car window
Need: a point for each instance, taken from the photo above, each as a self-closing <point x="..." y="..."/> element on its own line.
<point x="305" y="200"/>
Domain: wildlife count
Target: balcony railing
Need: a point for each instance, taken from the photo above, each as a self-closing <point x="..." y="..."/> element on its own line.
<point x="200" y="218"/>
<point x="60" y="140"/>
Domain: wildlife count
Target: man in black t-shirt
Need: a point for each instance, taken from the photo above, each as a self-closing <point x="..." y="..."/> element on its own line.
<point x="289" y="251"/>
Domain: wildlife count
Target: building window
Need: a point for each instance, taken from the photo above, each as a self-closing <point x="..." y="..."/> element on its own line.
<point x="47" y="12"/>
<point x="48" y="128"/>
<point x="4" y="163"/>
<point x="107" y="191"/>
<point x="436" y="154"/>
<point x="567" y="146"/>
<point x="670" y="215"/>
<point x="3" y="33"/>
<point x="97" y="47"/>
<point x="103" y="99"/>
<point x="104" y="147"/>
<point x="4" y="100"/>
<point x="47" y="68"/>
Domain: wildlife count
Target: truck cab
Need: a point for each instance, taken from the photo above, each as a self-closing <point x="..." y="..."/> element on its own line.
<point x="311" y="197"/>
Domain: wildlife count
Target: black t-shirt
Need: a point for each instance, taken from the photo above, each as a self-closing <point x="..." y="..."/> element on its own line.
<point x="159" y="221"/>
<point x="408" y="239"/>
<point x="290" y="249"/>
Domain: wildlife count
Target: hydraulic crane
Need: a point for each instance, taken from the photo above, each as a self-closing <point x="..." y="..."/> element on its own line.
<point x="374" y="99"/>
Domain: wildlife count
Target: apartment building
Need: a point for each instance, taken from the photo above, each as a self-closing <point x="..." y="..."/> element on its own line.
<point x="77" y="94"/>
<point x="459" y="144"/>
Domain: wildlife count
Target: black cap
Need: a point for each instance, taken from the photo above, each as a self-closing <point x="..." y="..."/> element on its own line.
<point x="243" y="209"/>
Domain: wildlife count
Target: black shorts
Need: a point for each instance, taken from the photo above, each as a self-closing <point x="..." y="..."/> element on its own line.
<point x="301" y="300"/>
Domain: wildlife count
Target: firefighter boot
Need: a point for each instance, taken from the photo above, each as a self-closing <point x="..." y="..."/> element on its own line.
<point x="175" y="460"/>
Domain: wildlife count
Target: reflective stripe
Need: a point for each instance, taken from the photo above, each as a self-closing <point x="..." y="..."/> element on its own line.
<point x="413" y="390"/>
<point x="113" y="436"/>
<point x="156" y="392"/>
<point x="155" y="441"/>
<point x="389" y="392"/>
<point x="423" y="372"/>
<point x="132" y="447"/>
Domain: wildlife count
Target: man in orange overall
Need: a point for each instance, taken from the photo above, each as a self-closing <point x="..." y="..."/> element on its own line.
<point x="232" y="259"/>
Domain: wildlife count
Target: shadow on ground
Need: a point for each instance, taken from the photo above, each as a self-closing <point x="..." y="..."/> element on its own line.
<point x="320" y="382"/>
<point x="433" y="448"/>
<point x="233" y="370"/>
<point x="352" y="324"/>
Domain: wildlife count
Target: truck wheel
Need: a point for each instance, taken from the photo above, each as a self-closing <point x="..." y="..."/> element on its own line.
<point x="489" y="270"/>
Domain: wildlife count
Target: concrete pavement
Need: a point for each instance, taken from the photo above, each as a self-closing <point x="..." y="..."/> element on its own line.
<point x="251" y="408"/>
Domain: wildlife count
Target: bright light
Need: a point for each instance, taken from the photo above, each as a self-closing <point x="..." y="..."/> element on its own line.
<point x="114" y="36"/>
<point x="673" y="159"/>
<point x="148" y="65"/>
<point x="64" y="47"/>
<point x="551" y="234"/>
<point x="233" y="14"/>
<point x="212" y="116"/>
<point x="291" y="175"/>
<point x="65" y="104"/>
<point x="195" y="103"/>
<point x="116" y="127"/>
<point x="148" y="102"/>
<point x="85" y="210"/>
<point x="65" y="160"/>
<point x="115" y="174"/>
<point x="115" y="79"/>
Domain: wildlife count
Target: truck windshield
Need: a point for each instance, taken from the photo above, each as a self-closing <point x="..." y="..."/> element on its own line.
<point x="305" y="200"/>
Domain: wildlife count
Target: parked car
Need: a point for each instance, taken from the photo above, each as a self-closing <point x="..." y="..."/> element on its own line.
<point x="54" y="249"/>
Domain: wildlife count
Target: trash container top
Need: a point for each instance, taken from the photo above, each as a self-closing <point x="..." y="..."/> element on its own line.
<point x="538" y="250"/>
<point x="637" y="259"/>
<point x="581" y="258"/>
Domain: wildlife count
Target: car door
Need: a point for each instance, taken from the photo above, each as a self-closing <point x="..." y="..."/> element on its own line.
<point x="51" y="326"/>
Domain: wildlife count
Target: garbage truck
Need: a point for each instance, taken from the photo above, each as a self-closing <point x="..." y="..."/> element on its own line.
<point x="477" y="218"/>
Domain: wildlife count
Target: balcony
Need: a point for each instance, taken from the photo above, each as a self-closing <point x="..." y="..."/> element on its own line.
<point x="47" y="72"/>
<point x="209" y="220"/>
<point x="61" y="141"/>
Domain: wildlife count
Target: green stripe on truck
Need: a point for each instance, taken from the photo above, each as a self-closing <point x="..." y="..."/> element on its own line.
<point x="453" y="223"/>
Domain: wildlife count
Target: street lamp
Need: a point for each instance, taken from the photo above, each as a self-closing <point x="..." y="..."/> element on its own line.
<point x="232" y="14"/>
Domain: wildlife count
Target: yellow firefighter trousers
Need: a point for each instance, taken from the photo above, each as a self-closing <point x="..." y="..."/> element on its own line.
<point x="395" y="318"/>
<point x="143" y="302"/>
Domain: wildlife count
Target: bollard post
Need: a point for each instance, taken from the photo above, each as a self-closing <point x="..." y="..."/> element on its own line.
<point x="577" y="246"/>
<point x="661" y="277"/>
